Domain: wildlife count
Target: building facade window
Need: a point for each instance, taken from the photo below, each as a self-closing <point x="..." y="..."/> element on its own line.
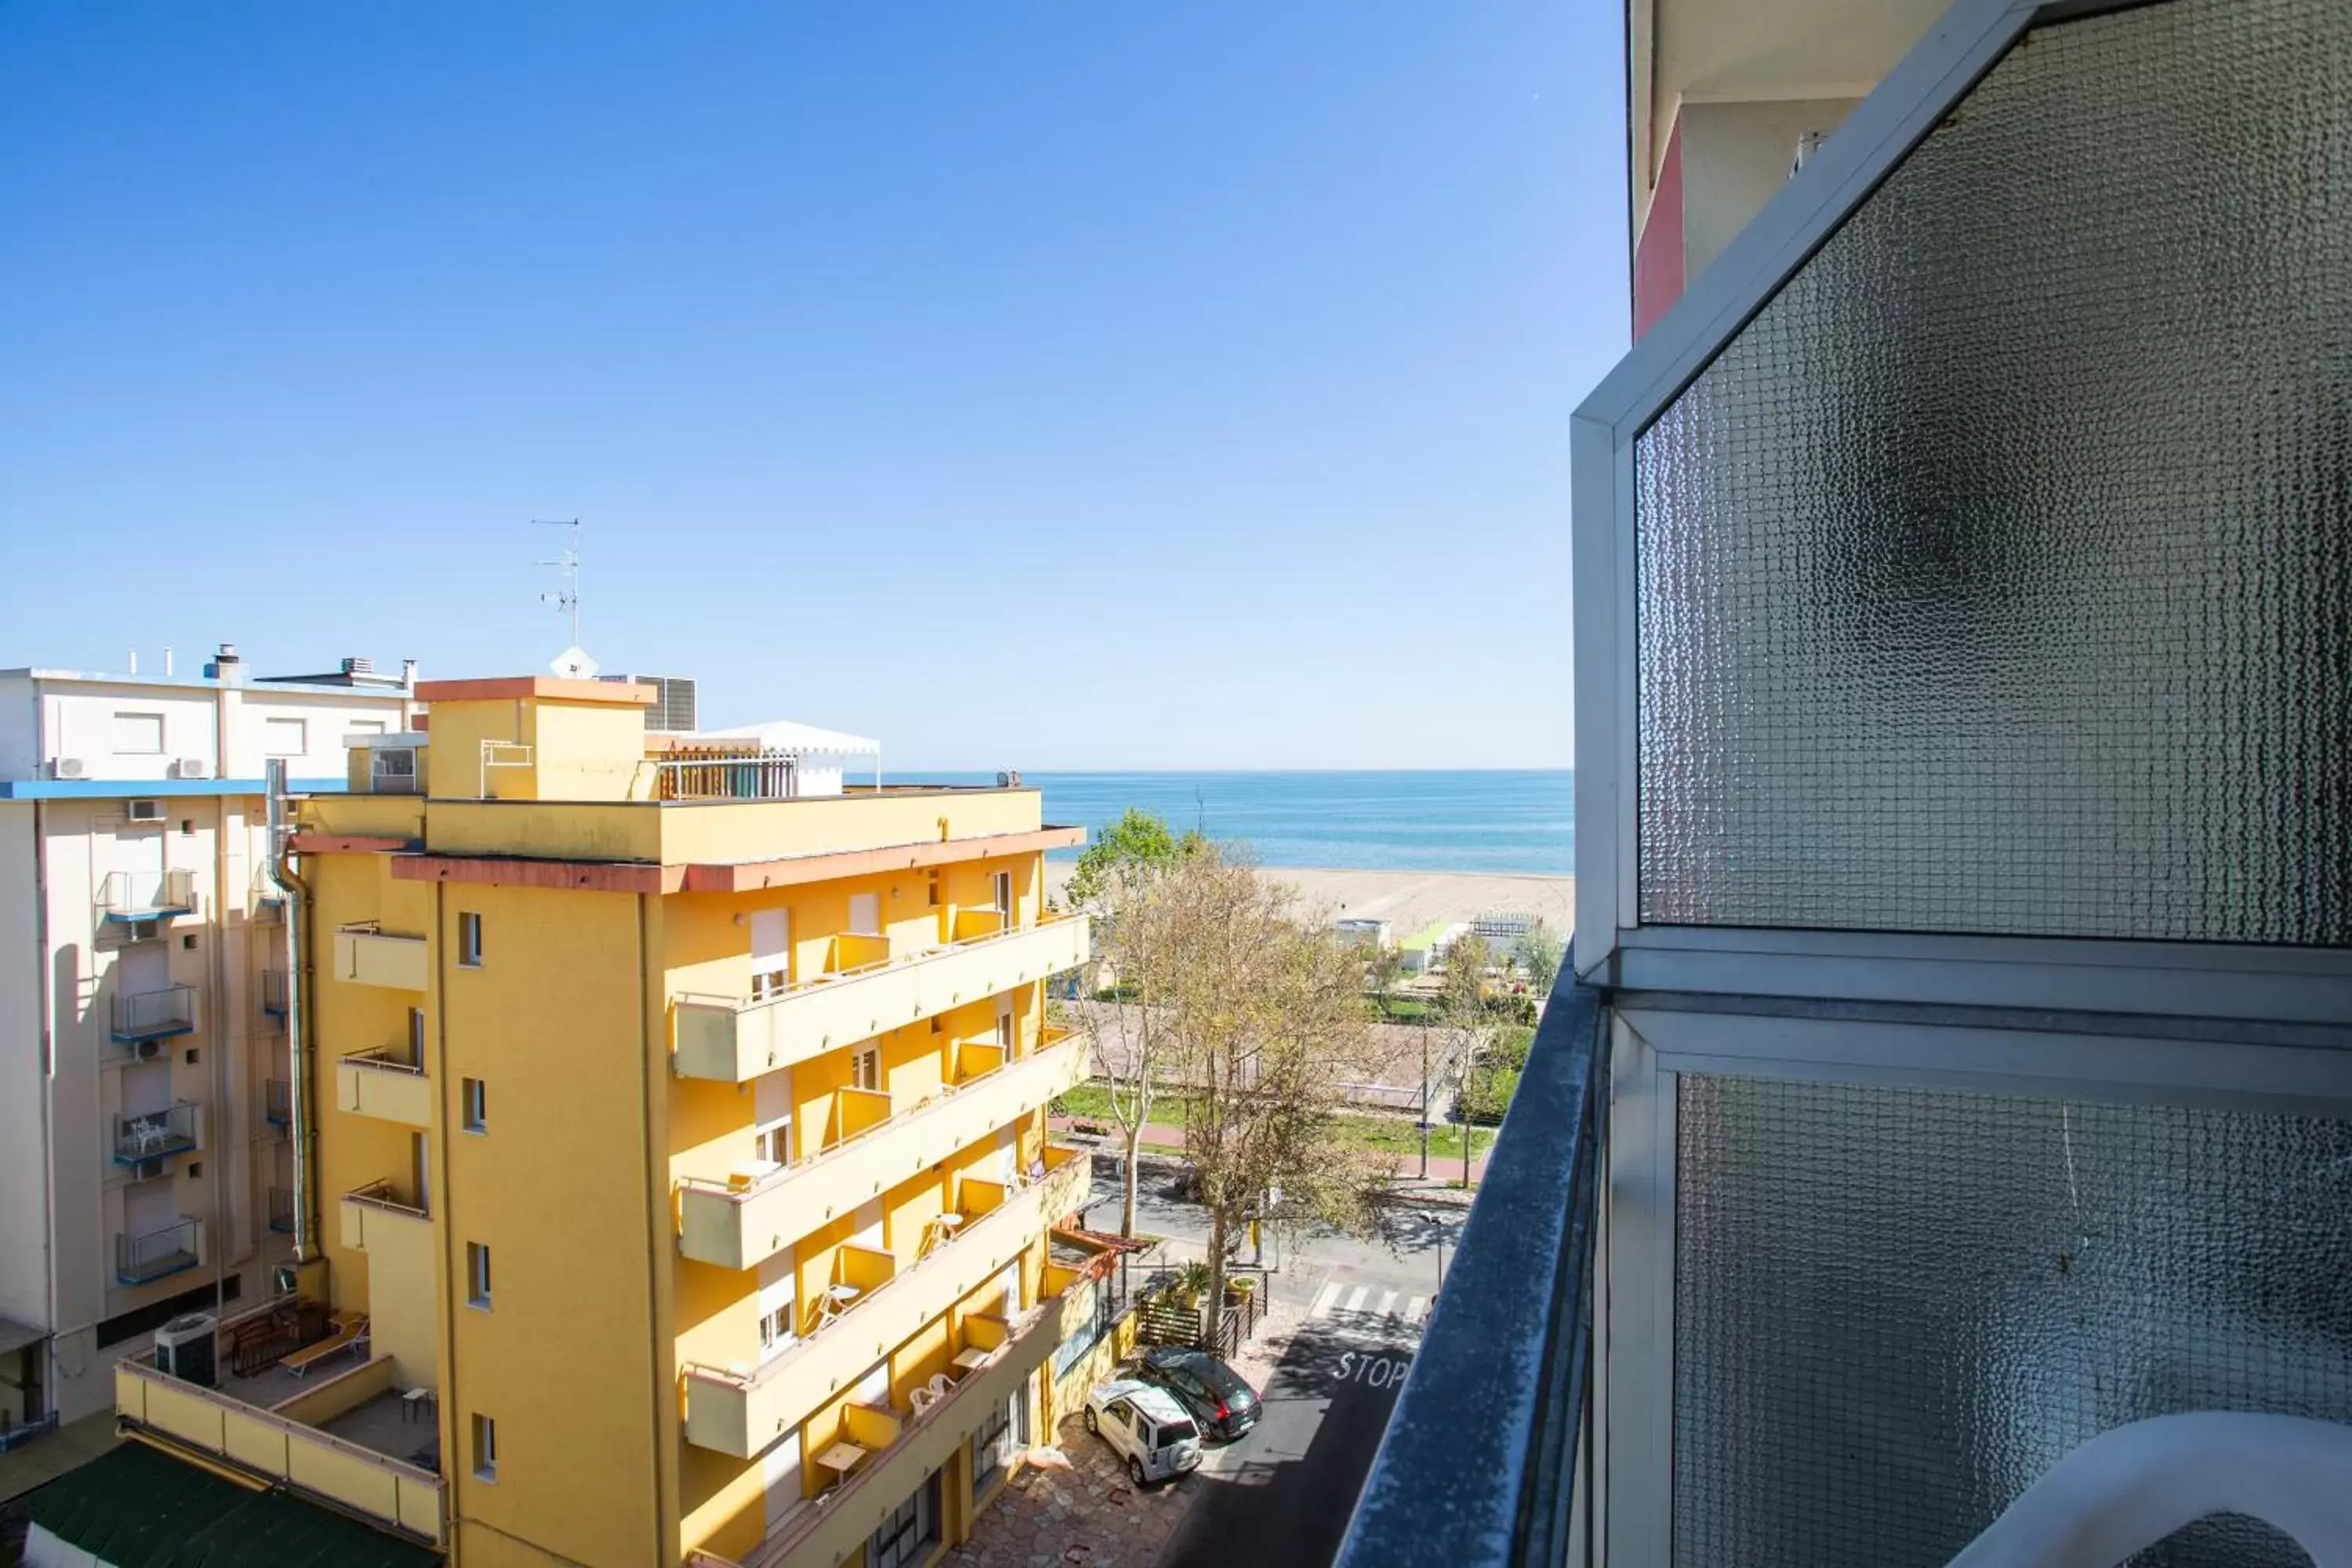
<point x="469" y="940"/>
<point x="912" y="1531"/>
<point x="285" y="737"/>
<point x="477" y="1276"/>
<point x="1004" y="1431"/>
<point x="138" y="734"/>
<point x="866" y="1067"/>
<point x="486" y="1448"/>
<point x="476" y="1105"/>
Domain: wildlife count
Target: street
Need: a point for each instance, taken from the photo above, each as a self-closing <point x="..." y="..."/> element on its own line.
<point x="1357" y="1311"/>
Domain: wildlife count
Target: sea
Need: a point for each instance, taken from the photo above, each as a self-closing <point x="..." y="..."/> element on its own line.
<point x="1514" y="820"/>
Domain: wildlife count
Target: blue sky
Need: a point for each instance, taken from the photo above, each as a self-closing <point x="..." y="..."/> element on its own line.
<point x="1039" y="385"/>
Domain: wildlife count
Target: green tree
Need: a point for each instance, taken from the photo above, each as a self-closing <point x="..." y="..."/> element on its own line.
<point x="1126" y="855"/>
<point x="1543" y="952"/>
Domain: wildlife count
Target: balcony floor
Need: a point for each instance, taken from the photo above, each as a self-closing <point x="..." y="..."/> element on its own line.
<point x="377" y="1426"/>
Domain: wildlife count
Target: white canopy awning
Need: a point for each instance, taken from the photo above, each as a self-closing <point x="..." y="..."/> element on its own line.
<point x="785" y="738"/>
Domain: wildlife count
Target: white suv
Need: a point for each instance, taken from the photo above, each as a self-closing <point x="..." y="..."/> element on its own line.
<point x="1148" y="1425"/>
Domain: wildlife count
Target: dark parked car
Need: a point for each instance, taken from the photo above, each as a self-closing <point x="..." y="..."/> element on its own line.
<point x="1214" y="1392"/>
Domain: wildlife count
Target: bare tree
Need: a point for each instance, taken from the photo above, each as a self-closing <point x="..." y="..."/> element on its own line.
<point x="1260" y="1015"/>
<point x="1114" y="880"/>
<point x="1462" y="1002"/>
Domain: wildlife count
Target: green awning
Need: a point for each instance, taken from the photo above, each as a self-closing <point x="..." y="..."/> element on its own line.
<point x="135" y="1506"/>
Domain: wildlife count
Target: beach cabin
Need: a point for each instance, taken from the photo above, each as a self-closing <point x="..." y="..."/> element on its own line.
<point x="1425" y="949"/>
<point x="1365" y="932"/>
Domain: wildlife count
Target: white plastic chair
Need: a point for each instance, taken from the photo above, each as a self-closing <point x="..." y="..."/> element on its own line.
<point x="2126" y="1490"/>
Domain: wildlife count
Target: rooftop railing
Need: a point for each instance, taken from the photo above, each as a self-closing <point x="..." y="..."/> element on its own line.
<point x="728" y="778"/>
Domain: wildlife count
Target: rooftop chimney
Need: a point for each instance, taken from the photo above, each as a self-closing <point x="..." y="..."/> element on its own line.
<point x="408" y="673"/>
<point x="226" y="667"/>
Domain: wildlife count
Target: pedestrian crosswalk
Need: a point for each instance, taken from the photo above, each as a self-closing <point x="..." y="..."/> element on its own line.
<point x="1358" y="1308"/>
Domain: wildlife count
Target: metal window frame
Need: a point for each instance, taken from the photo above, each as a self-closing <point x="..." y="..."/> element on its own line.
<point x="1656" y="1039"/>
<point x="1613" y="948"/>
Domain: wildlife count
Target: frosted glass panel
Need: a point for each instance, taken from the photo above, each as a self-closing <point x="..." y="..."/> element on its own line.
<point x="1895" y="1309"/>
<point x="1999" y="576"/>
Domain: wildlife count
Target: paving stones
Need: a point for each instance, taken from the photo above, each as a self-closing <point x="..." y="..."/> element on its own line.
<point x="1073" y="1506"/>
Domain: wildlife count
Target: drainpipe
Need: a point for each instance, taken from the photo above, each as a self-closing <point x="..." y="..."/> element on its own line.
<point x="298" y="981"/>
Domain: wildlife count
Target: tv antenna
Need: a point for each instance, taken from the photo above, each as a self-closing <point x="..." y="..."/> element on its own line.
<point x="565" y="599"/>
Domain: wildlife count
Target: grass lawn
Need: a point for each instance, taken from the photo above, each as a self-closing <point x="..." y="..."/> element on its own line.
<point x="1381" y="1134"/>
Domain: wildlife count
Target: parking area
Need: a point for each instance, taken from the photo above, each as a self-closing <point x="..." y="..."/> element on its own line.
<point x="1073" y="1504"/>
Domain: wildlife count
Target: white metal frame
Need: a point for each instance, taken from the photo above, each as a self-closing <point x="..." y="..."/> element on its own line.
<point x="1652" y="1048"/>
<point x="1612" y="947"/>
<point x="1745" y="1025"/>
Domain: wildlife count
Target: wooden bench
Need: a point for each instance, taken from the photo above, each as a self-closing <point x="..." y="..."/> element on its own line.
<point x="351" y="1329"/>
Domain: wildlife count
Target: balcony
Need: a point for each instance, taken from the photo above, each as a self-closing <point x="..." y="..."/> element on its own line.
<point x="736" y="1223"/>
<point x="395" y="1493"/>
<point x="379" y="1210"/>
<point x="126" y="897"/>
<point x="366" y="956"/>
<point x="905" y="1446"/>
<point x="137" y="1018"/>
<point x="277" y="1102"/>
<point x="739" y="1412"/>
<point x="385" y="1085"/>
<point x="143" y="1260"/>
<point x="281" y="1211"/>
<point x="156" y="1134"/>
<point x="273" y="995"/>
<point x="866" y="992"/>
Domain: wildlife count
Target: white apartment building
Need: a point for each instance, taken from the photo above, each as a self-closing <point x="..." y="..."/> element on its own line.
<point x="145" y="1109"/>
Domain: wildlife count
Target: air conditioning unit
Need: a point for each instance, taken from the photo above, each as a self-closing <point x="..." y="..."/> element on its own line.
<point x="186" y="1348"/>
<point x="69" y="768"/>
<point x="146" y="1050"/>
<point x="190" y="768"/>
<point x="146" y="810"/>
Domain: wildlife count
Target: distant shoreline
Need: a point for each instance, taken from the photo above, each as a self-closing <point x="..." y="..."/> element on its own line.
<point x="1409" y="901"/>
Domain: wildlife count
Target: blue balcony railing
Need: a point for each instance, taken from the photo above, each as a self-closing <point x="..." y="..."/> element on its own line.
<point x="153" y="1015"/>
<point x="141" y="1258"/>
<point x="155" y="1134"/>
<point x="1482" y="1453"/>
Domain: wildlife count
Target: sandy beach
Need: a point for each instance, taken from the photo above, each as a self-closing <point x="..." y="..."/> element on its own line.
<point x="1409" y="901"/>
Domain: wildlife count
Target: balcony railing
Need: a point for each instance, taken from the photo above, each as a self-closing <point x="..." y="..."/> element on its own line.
<point x="727" y="778"/>
<point x="281" y="1211"/>
<point x="140" y="1260"/>
<point x="737" y="1223"/>
<point x="277" y="1102"/>
<point x="367" y="956"/>
<point x="1482" y="1458"/>
<point x="273" y="994"/>
<point x="386" y="1084"/>
<point x="380" y="1203"/>
<point x="155" y="1134"/>
<point x="906" y="1446"/>
<point x="139" y="1015"/>
<point x="868" y="993"/>
<point x="397" y="1495"/>
<point x="739" y="1411"/>
<point x="124" y="897"/>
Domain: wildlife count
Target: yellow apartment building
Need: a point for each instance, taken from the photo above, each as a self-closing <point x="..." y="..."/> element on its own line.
<point x="676" y="1146"/>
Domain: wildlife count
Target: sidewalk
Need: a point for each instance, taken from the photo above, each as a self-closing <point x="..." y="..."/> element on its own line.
<point x="1170" y="1141"/>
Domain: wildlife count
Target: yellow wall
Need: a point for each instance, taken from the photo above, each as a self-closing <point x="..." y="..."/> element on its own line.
<point x="554" y="1024"/>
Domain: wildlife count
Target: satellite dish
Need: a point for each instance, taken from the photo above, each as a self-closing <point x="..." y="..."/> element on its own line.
<point x="573" y="664"/>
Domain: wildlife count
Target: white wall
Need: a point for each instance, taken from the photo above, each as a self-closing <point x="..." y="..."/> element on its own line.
<point x="24" y="1090"/>
<point x="17" y="757"/>
<point x="78" y="718"/>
